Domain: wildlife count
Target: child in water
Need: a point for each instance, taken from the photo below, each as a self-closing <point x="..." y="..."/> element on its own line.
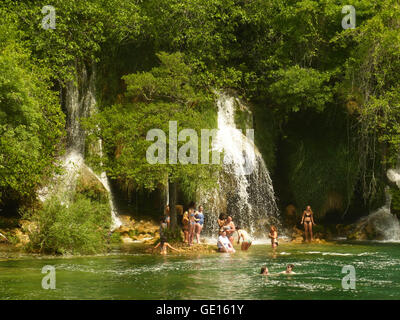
<point x="163" y="244"/>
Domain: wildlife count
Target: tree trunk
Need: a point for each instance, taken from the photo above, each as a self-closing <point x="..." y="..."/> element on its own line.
<point x="172" y="204"/>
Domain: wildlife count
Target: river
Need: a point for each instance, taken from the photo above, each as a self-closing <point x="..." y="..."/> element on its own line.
<point x="126" y="274"/>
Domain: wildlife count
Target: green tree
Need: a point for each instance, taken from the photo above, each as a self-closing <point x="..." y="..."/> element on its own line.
<point x="152" y="100"/>
<point x="31" y="121"/>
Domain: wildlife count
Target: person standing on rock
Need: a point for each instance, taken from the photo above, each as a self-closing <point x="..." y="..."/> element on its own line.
<point x="199" y="223"/>
<point x="273" y="235"/>
<point x="185" y="226"/>
<point x="308" y="220"/>
<point x="192" y="225"/>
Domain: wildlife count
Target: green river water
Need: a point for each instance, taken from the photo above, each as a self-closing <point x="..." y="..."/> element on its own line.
<point x="124" y="274"/>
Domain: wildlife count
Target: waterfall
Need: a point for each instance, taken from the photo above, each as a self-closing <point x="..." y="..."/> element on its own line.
<point x="245" y="187"/>
<point x="80" y="102"/>
<point x="382" y="224"/>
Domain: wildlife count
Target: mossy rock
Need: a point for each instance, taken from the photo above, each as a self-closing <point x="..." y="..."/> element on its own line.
<point x="89" y="185"/>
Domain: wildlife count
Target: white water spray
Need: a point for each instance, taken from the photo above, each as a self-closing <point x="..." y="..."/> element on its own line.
<point x="246" y="192"/>
<point x="80" y="102"/>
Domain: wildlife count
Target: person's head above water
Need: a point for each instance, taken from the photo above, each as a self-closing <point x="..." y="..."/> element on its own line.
<point x="222" y="232"/>
<point x="222" y="216"/>
<point x="308" y="208"/>
<point x="264" y="270"/>
<point x="289" y="268"/>
<point x="273" y="228"/>
<point x="238" y="227"/>
<point x="200" y="208"/>
<point x="229" y="219"/>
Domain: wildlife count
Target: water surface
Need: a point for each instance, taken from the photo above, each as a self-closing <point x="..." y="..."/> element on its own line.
<point x="124" y="274"/>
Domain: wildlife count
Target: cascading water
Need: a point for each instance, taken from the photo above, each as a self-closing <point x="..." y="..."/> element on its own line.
<point x="382" y="224"/>
<point x="245" y="187"/>
<point x="80" y="102"/>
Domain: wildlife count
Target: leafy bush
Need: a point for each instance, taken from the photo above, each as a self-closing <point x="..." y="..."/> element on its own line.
<point x="80" y="228"/>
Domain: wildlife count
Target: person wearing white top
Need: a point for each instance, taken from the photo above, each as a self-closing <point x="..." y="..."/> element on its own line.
<point x="224" y="245"/>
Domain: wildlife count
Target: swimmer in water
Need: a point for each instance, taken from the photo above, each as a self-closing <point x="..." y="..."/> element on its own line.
<point x="164" y="245"/>
<point x="247" y="240"/>
<point x="264" y="271"/>
<point x="289" y="269"/>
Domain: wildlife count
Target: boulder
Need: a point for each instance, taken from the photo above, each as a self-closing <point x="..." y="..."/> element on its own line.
<point x="379" y="225"/>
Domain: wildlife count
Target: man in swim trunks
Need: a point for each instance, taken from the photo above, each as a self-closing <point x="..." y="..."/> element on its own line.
<point x="273" y="235"/>
<point x="229" y="227"/>
<point x="223" y="244"/>
<point x="246" y="239"/>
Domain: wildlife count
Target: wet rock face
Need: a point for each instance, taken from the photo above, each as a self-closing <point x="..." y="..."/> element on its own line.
<point x="132" y="230"/>
<point x="380" y="225"/>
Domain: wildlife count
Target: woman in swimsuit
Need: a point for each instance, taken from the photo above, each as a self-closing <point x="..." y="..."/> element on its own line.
<point x="221" y="220"/>
<point x="185" y="226"/>
<point x="192" y="225"/>
<point x="199" y="223"/>
<point x="246" y="243"/>
<point x="273" y="235"/>
<point x="308" y="220"/>
<point x="229" y="227"/>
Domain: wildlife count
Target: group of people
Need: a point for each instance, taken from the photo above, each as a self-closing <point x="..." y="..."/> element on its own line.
<point x="192" y="225"/>
<point x="289" y="270"/>
<point x="227" y="229"/>
<point x="193" y="222"/>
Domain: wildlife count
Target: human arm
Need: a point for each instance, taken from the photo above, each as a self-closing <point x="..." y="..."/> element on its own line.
<point x="171" y="247"/>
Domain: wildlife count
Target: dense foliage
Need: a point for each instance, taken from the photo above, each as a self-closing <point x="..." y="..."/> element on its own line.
<point x="81" y="228"/>
<point x="31" y="121"/>
<point x="322" y="96"/>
